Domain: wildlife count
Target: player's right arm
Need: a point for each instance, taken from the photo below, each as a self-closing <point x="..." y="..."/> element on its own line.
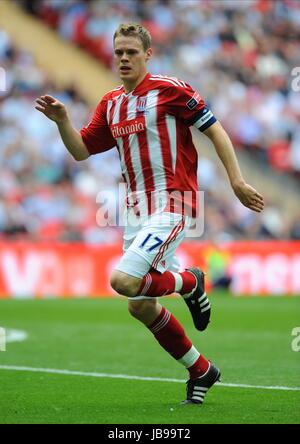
<point x="56" y="111"/>
<point x="92" y="139"/>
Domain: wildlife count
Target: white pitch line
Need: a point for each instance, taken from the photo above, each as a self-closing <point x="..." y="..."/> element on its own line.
<point x="132" y="377"/>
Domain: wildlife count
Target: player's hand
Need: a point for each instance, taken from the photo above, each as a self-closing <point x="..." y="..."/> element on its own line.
<point x="249" y="197"/>
<point x="52" y="108"/>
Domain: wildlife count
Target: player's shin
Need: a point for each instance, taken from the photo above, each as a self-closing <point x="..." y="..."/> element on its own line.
<point x="171" y="336"/>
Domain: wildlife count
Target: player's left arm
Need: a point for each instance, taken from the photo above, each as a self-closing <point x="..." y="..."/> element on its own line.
<point x="224" y="148"/>
<point x="188" y="105"/>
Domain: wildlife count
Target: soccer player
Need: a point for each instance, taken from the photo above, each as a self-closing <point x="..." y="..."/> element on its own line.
<point x="148" y="119"/>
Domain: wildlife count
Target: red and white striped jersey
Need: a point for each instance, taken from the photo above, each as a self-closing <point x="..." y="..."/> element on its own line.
<point x="151" y="128"/>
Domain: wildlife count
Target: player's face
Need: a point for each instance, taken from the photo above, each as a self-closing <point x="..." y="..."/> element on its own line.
<point x="131" y="59"/>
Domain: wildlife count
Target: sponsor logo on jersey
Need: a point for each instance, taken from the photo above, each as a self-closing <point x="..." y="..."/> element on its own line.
<point x="141" y="104"/>
<point x="128" y="127"/>
<point x="194" y="101"/>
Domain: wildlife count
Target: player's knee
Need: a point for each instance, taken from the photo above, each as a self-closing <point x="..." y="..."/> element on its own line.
<point x="124" y="284"/>
<point x="121" y="286"/>
<point x="139" y="309"/>
<point x="135" y="310"/>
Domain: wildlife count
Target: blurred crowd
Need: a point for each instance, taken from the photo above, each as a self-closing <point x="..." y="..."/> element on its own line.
<point x="239" y="53"/>
<point x="45" y="194"/>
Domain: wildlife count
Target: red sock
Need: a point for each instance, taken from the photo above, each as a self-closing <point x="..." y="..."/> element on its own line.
<point x="188" y="282"/>
<point x="171" y="336"/>
<point x="199" y="368"/>
<point x="157" y="284"/>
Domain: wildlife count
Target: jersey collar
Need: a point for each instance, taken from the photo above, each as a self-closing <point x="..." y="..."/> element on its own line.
<point x="139" y="87"/>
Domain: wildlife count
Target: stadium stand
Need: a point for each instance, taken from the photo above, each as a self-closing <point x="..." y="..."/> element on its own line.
<point x="242" y="58"/>
<point x="44" y="194"/>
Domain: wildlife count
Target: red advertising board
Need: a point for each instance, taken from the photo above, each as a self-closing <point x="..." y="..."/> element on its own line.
<point x="37" y="270"/>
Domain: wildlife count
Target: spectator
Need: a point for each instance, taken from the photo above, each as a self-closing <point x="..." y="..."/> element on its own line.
<point x="240" y="54"/>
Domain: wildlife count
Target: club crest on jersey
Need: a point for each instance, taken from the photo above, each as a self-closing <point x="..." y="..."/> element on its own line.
<point x="141" y="104"/>
<point x="194" y="101"/>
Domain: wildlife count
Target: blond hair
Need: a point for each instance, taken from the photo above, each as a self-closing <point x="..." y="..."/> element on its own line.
<point x="134" y="30"/>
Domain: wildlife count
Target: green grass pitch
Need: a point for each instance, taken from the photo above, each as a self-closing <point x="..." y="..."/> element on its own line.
<point x="248" y="338"/>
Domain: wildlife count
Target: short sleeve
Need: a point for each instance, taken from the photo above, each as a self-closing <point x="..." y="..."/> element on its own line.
<point x="189" y="106"/>
<point x="96" y="135"/>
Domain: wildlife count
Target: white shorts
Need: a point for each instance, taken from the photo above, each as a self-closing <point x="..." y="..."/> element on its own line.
<point x="152" y="243"/>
